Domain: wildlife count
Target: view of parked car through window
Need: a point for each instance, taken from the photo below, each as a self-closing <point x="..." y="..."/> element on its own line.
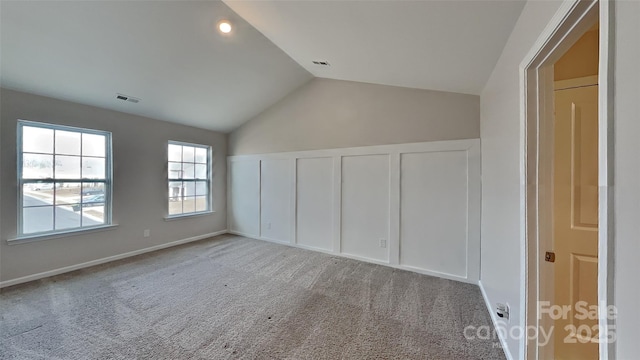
<point x="188" y="171"/>
<point x="64" y="177"/>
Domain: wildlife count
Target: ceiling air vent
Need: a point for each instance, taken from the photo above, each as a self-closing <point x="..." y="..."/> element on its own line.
<point x="127" y="98"/>
<point x="321" y="62"/>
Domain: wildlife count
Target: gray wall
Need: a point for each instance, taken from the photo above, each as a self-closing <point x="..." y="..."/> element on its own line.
<point x="500" y="128"/>
<point x="140" y="188"/>
<point x="627" y="177"/>
<point x="324" y="114"/>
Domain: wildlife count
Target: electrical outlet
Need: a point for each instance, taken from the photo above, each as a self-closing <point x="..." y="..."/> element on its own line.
<point x="147" y="233"/>
<point x="502" y="310"/>
<point x="383" y="243"/>
<point x="508" y="311"/>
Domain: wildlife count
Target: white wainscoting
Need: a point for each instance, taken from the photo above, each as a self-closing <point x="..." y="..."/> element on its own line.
<point x="314" y="215"/>
<point x="410" y="206"/>
<point x="433" y="204"/>
<point x="365" y="206"/>
<point x="276" y="181"/>
<point x="244" y="196"/>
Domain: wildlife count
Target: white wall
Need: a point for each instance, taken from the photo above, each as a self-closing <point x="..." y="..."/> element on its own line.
<point x="139" y="190"/>
<point x="501" y="180"/>
<point x="500" y="133"/>
<point x="327" y="114"/>
<point x="275" y="199"/>
<point x="365" y="206"/>
<point x="427" y="212"/>
<point x="627" y="177"/>
<point x="423" y="198"/>
<point x="244" y="196"/>
<point x="314" y="194"/>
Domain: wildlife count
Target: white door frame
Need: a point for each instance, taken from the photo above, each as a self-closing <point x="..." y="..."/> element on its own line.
<point x="572" y="20"/>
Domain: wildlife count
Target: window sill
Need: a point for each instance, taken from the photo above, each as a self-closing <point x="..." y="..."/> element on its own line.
<point x="185" y="216"/>
<point x="49" y="236"/>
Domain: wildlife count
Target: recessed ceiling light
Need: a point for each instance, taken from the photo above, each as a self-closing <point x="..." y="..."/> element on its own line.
<point x="224" y="27"/>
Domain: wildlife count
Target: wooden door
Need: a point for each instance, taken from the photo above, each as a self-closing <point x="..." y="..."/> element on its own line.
<point x="576" y="221"/>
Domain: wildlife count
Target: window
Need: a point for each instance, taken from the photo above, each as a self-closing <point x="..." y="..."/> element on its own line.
<point x="64" y="177"/>
<point x="189" y="177"/>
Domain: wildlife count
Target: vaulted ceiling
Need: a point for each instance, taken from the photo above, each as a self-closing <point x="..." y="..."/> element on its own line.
<point x="449" y="45"/>
<point x="170" y="55"/>
<point x="167" y="53"/>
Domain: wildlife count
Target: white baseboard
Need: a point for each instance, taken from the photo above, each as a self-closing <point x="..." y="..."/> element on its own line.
<point x="359" y="258"/>
<point x="434" y="273"/>
<point x="386" y="263"/>
<point x="494" y="320"/>
<point x="255" y="237"/>
<point x="307" y="247"/>
<point x="66" y="269"/>
<point x="234" y="232"/>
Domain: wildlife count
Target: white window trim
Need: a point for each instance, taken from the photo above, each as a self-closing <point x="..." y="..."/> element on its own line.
<point x="209" y="210"/>
<point x="60" y="234"/>
<point x="108" y="183"/>
<point x="188" y="215"/>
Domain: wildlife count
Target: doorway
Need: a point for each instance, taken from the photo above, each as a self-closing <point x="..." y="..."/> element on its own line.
<point x="566" y="168"/>
<point x="573" y="255"/>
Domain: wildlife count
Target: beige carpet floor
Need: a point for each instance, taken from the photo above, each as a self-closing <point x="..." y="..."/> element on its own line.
<point x="231" y="297"/>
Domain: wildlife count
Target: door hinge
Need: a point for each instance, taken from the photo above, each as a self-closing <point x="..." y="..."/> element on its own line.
<point x="550" y="256"/>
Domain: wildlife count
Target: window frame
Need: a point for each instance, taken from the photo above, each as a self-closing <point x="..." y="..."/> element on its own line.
<point x="108" y="179"/>
<point x="209" y="180"/>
